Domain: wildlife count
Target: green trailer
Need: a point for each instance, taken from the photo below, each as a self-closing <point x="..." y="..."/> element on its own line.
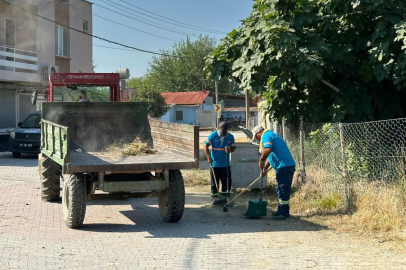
<point x="74" y="137"/>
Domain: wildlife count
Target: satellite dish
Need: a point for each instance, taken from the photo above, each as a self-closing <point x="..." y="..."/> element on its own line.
<point x="34" y="96"/>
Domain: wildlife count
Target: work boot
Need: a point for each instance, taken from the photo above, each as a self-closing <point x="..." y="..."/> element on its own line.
<point x="214" y="194"/>
<point x="277" y="216"/>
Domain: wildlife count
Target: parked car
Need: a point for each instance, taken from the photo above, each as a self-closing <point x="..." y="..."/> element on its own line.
<point x="26" y="138"/>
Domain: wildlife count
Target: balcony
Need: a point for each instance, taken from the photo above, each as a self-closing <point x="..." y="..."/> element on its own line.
<point x="18" y="65"/>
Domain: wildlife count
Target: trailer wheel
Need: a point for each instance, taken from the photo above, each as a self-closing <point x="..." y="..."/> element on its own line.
<point x="50" y="179"/>
<point x="172" y="201"/>
<point x="73" y="200"/>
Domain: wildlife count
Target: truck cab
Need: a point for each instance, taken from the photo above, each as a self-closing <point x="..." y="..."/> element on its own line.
<point x="100" y="87"/>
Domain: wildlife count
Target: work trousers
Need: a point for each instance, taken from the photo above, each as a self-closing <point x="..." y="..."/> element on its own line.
<point x="284" y="177"/>
<point x="221" y="175"/>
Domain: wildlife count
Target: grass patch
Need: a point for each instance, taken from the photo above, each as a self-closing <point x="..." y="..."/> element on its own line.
<point x="330" y="203"/>
<point x="378" y="209"/>
<point x="196" y="177"/>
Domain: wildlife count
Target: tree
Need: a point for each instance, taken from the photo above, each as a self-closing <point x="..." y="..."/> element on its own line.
<point x="331" y="60"/>
<point x="145" y="92"/>
<point x="182" y="68"/>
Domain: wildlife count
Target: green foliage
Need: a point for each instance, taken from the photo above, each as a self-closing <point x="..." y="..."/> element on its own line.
<point x="358" y="165"/>
<point x="290" y="50"/>
<point x="182" y="68"/>
<point x="94" y="94"/>
<point x="157" y="106"/>
<point x="331" y="202"/>
<point x="100" y="95"/>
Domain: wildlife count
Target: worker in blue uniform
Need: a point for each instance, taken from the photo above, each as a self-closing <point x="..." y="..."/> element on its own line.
<point x="222" y="143"/>
<point x="275" y="153"/>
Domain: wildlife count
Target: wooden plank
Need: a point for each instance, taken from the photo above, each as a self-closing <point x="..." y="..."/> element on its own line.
<point x="171" y="138"/>
<point x="171" y="126"/>
<point x="181" y="133"/>
<point x="179" y="152"/>
<point x="170" y="144"/>
<point x="174" y="133"/>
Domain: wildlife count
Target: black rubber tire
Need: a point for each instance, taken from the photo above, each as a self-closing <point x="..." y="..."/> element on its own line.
<point x="74" y="200"/>
<point x="172" y="201"/>
<point x="16" y="155"/>
<point x="50" y="179"/>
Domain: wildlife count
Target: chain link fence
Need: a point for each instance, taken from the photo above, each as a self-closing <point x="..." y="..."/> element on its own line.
<point x="336" y="158"/>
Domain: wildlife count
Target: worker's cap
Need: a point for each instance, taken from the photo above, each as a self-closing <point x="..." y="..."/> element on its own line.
<point x="255" y="130"/>
<point x="223" y="125"/>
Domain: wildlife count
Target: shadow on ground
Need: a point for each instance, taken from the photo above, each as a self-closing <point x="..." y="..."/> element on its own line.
<point x="26" y="160"/>
<point x="199" y="220"/>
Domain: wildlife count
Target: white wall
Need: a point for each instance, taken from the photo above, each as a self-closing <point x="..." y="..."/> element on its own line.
<point x="189" y="114"/>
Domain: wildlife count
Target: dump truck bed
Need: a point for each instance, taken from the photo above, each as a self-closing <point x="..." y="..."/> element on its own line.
<point x="103" y="162"/>
<point x="94" y="127"/>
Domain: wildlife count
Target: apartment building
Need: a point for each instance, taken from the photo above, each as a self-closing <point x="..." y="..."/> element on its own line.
<point x="32" y="47"/>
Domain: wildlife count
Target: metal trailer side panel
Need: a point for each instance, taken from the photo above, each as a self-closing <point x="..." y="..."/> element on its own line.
<point x="55" y="143"/>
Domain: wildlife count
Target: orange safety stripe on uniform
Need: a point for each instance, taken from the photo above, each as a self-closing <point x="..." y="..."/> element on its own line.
<point x="267" y="143"/>
<point x="218" y="149"/>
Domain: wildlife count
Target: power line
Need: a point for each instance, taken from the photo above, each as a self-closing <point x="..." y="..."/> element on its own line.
<point x="121" y="49"/>
<point x="131" y="50"/>
<point x="135" y="29"/>
<point x="220" y="32"/>
<point x="74" y="29"/>
<point x="167" y="29"/>
<point x="180" y="25"/>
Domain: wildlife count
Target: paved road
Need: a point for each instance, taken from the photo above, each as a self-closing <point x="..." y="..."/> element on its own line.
<point x="129" y="234"/>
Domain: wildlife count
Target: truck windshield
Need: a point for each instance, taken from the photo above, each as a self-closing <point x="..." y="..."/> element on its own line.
<point x="32" y="121"/>
<point x="93" y="93"/>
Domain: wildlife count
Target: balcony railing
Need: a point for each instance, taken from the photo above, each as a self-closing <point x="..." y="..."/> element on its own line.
<point x="17" y="60"/>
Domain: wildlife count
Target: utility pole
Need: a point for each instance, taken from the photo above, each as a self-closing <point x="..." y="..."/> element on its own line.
<point x="216" y="86"/>
<point x="247" y="108"/>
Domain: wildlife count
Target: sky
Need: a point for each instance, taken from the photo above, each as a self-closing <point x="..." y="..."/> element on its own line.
<point x="217" y="15"/>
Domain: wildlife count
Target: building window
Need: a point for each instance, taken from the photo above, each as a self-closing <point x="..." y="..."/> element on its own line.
<point x="61" y="41"/>
<point x="85" y="26"/>
<point x="179" y="115"/>
<point x="10" y="33"/>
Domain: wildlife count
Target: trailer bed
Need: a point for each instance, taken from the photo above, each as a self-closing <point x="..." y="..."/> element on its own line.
<point x="103" y="162"/>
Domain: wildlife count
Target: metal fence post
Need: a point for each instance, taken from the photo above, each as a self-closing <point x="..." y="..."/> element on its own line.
<point x="284" y="129"/>
<point x="302" y="164"/>
<point x="347" y="186"/>
<point x="343" y="159"/>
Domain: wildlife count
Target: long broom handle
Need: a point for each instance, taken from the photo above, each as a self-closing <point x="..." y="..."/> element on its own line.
<point x="227" y="161"/>
<point x="215" y="180"/>
<point x="250" y="185"/>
